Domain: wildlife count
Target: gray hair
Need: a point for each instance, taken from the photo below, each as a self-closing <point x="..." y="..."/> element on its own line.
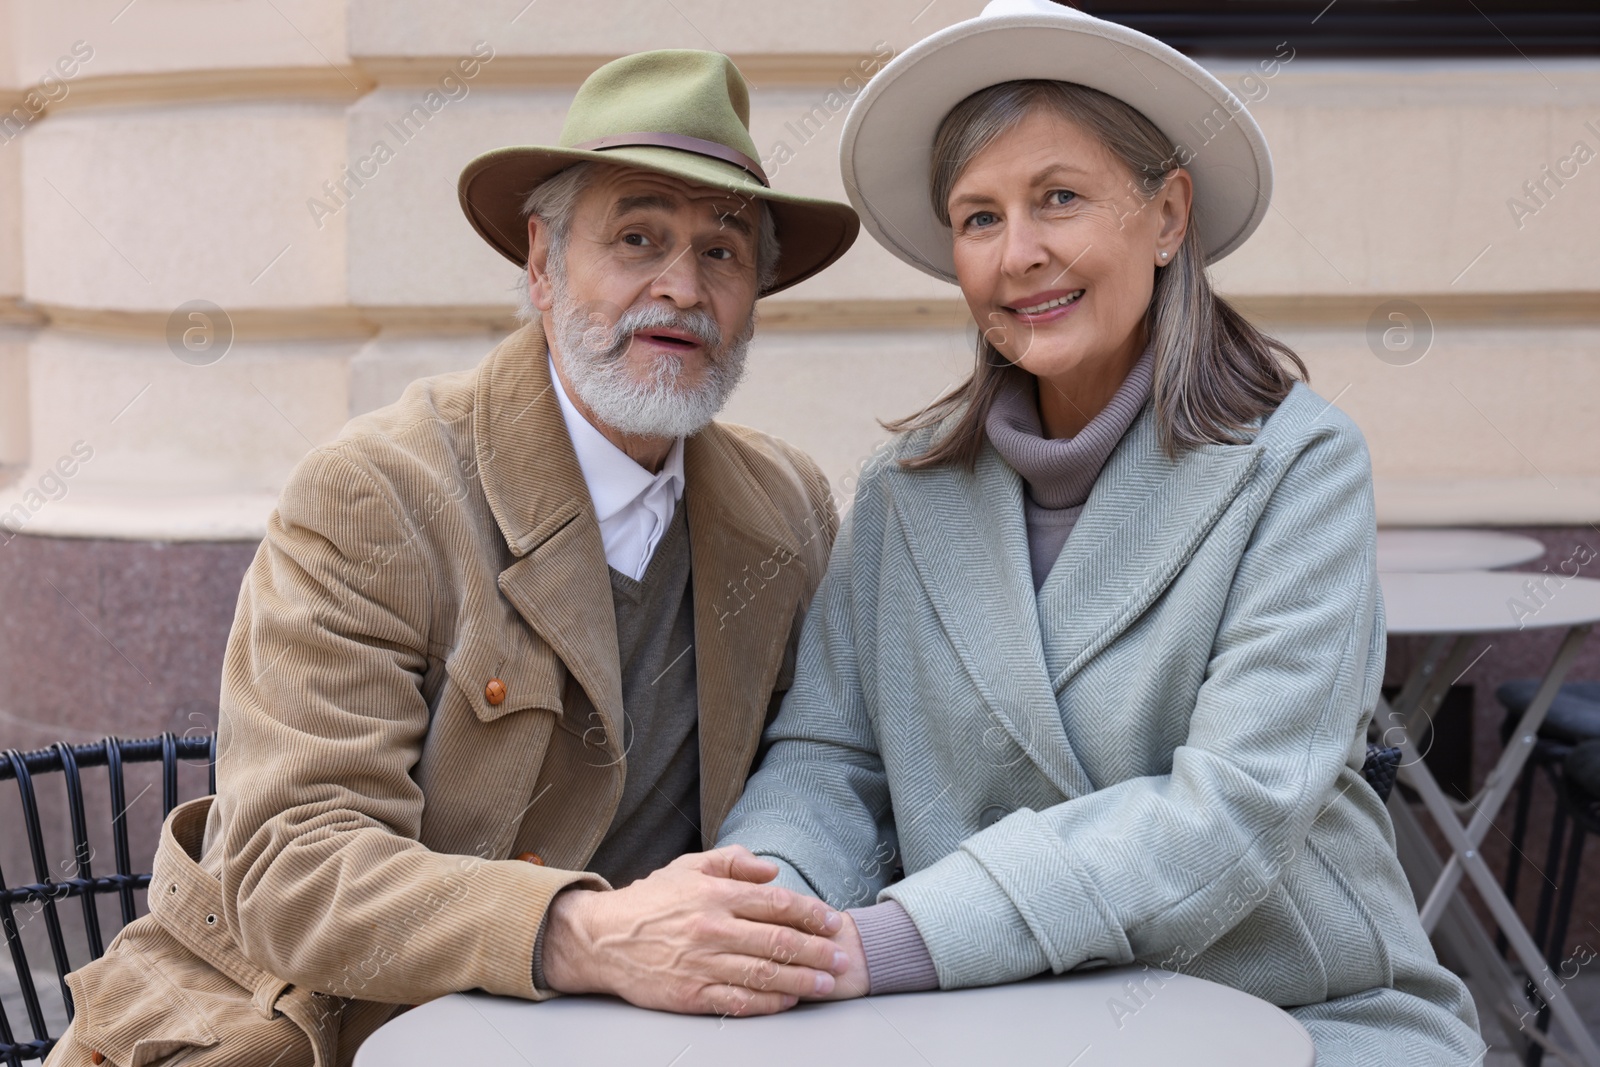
<point x="1215" y="373"/>
<point x="554" y="199"/>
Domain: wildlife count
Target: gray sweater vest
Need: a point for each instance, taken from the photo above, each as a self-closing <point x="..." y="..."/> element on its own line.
<point x="658" y="817"/>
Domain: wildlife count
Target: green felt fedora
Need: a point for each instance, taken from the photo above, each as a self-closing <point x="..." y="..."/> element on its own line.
<point x="675" y="111"/>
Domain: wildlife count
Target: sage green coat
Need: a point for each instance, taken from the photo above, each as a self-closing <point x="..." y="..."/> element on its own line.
<point x="1155" y="758"/>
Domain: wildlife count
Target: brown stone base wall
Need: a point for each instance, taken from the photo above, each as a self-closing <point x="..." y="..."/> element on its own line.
<point x="105" y="637"/>
<point x="102" y="637"/>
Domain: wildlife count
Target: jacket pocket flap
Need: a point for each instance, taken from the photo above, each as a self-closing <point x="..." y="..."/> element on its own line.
<point x="131" y="1011"/>
<point x="527" y="672"/>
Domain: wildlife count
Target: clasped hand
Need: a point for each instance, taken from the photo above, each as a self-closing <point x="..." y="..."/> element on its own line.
<point x="707" y="935"/>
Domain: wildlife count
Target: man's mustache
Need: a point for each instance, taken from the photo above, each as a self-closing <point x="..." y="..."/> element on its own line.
<point x="614" y="339"/>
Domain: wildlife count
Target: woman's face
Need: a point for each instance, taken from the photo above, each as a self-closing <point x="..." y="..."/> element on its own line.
<point x="1056" y="250"/>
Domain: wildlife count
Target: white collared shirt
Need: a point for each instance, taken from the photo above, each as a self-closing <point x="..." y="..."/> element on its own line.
<point x="633" y="505"/>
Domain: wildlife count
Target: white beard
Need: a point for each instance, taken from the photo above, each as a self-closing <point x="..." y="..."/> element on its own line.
<point x="593" y="353"/>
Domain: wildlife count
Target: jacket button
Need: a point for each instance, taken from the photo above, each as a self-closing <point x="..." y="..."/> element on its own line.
<point x="533" y="858"/>
<point x="495" y="691"/>
<point x="97" y="1057"/>
<point x="991" y="815"/>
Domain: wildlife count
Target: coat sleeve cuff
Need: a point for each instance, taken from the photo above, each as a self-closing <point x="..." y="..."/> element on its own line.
<point x="541" y="988"/>
<point x="897" y="959"/>
<point x="555" y="882"/>
<point x="971" y="927"/>
<point x="539" y="983"/>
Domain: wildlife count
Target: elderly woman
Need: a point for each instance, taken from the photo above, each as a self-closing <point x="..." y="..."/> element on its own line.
<point x="1095" y="656"/>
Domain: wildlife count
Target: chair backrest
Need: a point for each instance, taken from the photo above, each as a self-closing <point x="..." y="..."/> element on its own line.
<point x="41" y="895"/>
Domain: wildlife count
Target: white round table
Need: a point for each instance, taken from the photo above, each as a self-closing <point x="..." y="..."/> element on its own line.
<point x="1127" y="1016"/>
<point x="1453" y="550"/>
<point x="1483" y="602"/>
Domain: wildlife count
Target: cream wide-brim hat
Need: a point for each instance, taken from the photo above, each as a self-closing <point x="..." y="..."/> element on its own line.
<point x="886" y="148"/>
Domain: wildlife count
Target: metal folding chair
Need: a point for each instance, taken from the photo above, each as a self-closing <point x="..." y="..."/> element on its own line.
<point x="43" y="894"/>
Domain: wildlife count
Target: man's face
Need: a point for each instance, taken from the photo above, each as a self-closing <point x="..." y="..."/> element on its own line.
<point x="652" y="304"/>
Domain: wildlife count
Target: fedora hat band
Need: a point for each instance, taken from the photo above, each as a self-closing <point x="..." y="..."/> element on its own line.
<point x="683" y="143"/>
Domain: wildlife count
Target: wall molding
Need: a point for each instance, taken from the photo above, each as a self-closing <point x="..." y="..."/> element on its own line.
<point x="348" y="82"/>
<point x="796" y="316"/>
<point x="15" y="312"/>
<point x="251" y="324"/>
<point x="1457" y="82"/>
<point x="762" y="69"/>
<point x="1277" y="311"/>
<point x="340" y="85"/>
<point x="1580" y="308"/>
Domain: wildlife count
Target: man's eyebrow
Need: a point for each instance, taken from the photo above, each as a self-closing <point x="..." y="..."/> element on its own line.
<point x="657" y="202"/>
<point x="735" y="220"/>
<point x="642" y="202"/>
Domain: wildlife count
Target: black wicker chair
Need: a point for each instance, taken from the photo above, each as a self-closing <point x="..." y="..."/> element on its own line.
<point x="44" y="893"/>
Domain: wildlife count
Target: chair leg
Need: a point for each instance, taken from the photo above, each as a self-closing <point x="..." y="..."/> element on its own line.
<point x="1541" y="926"/>
<point x="1519" y="832"/>
<point x="1552" y="864"/>
<point x="1556" y="946"/>
<point x="1569" y="887"/>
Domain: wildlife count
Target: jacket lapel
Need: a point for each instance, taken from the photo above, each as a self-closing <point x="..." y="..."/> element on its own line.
<point x="530" y="474"/>
<point x="746" y="577"/>
<point x="969" y="545"/>
<point x="748" y="581"/>
<point x="1143" y="520"/>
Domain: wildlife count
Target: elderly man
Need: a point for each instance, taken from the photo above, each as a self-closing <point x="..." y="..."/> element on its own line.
<point x="513" y="640"/>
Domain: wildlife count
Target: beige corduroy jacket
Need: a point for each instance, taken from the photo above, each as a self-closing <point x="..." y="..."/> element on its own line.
<point x="370" y="795"/>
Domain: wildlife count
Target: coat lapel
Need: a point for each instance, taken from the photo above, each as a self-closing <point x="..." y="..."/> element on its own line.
<point x="748" y="581"/>
<point x="530" y="474"/>
<point x="969" y="545"/>
<point x="1143" y="520"/>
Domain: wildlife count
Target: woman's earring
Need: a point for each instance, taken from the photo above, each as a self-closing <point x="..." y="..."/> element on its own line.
<point x="1163" y="255"/>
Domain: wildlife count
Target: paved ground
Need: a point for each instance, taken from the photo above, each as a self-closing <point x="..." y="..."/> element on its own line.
<point x="1585" y="992"/>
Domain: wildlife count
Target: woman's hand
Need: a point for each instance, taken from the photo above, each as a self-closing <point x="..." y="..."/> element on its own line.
<point x="851" y="981"/>
<point x="702" y="935"/>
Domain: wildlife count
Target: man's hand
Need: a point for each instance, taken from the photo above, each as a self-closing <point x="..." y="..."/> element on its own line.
<point x="702" y="935"/>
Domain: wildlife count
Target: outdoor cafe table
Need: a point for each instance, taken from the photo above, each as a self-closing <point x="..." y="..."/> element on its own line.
<point x="1127" y="1016"/>
<point x="1457" y="610"/>
<point x="1453" y="550"/>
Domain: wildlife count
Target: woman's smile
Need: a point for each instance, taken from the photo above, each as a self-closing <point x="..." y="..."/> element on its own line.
<point x="1040" y="309"/>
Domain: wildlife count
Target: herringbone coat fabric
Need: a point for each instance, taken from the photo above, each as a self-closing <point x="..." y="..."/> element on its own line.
<point x="370" y="791"/>
<point x="1156" y="758"/>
